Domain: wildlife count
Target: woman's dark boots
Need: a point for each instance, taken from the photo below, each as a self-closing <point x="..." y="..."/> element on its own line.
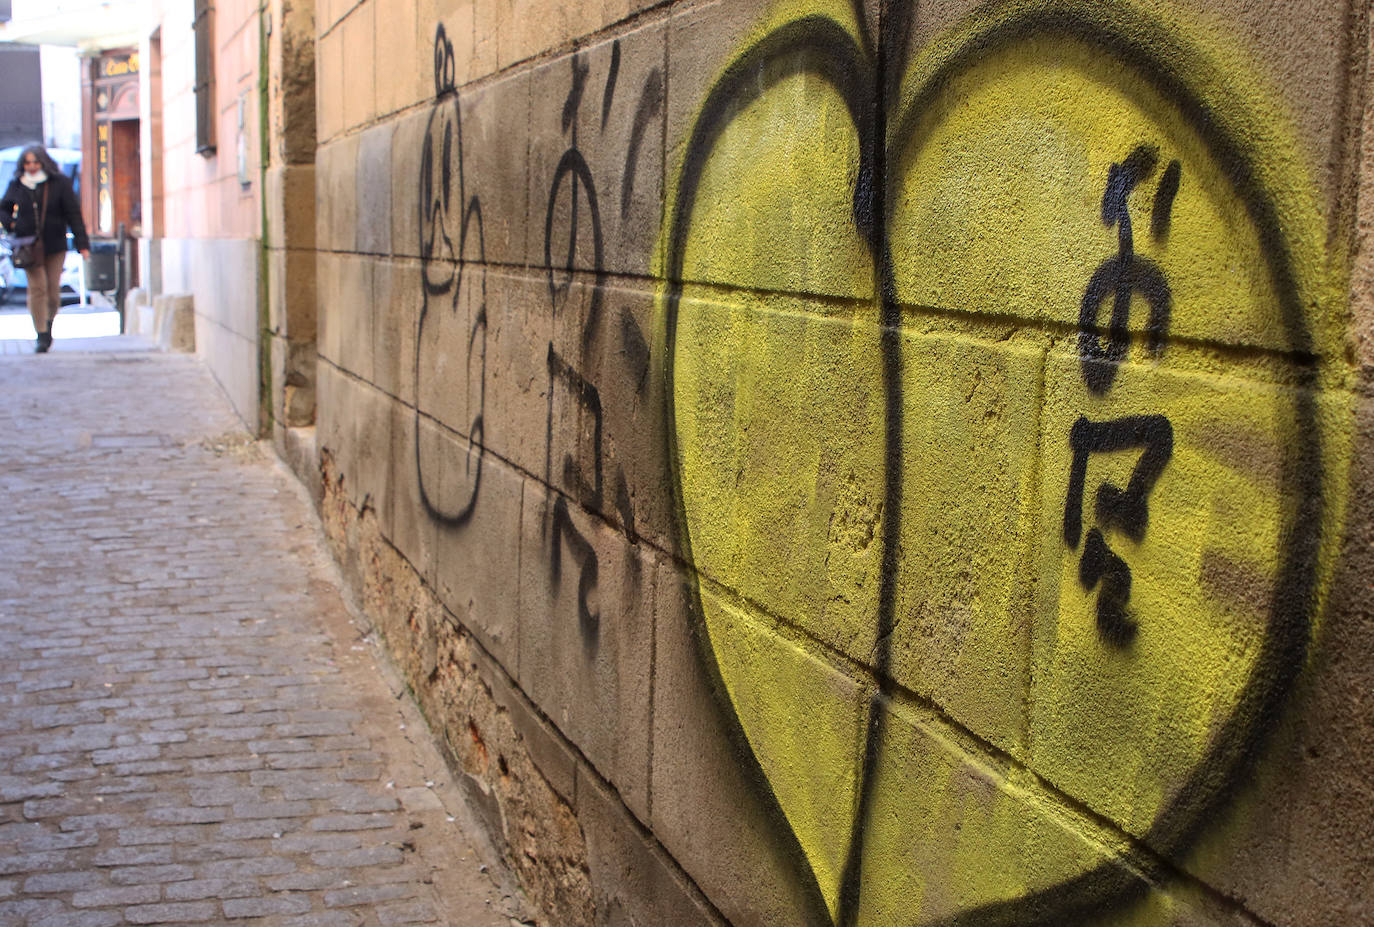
<point x="44" y="342"/>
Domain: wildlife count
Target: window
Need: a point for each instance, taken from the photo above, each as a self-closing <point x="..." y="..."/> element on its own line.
<point x="205" y="77"/>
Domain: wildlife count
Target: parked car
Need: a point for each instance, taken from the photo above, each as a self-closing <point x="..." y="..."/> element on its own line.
<point x="13" y="281"/>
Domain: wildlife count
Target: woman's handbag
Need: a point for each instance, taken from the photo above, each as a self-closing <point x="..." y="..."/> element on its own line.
<point x="27" y="252"/>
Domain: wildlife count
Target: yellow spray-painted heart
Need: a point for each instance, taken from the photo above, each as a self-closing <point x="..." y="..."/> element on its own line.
<point x="1008" y="443"/>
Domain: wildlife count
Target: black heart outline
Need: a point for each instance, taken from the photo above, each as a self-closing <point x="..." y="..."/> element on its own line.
<point x="819" y="46"/>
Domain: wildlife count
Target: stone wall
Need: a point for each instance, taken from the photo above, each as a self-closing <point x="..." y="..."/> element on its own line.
<point x="290" y="221"/>
<point x="835" y="463"/>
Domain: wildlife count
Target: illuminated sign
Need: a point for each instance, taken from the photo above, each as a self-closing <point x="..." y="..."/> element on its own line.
<point x="119" y="67"/>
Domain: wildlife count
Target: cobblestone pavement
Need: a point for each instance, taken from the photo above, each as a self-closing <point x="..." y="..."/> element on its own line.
<point x="191" y="729"/>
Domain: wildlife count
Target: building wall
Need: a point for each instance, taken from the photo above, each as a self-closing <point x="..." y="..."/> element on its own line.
<point x="21" y="96"/>
<point x="60" y="70"/>
<point x="211" y="206"/>
<point x="823" y="467"/>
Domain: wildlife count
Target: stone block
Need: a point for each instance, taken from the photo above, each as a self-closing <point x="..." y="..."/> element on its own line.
<point x="456" y="17"/>
<point x="337" y="186"/>
<point x="711" y="809"/>
<point x="291" y="221"/>
<point x="175" y="322"/>
<point x="297" y="447"/>
<point x="602" y="338"/>
<point x="351" y="305"/>
<point x="327" y="13"/>
<point x="1291" y="846"/>
<point x="368" y="468"/>
<point x="779" y="410"/>
<point x="634" y="883"/>
<point x="741" y="233"/>
<point x="407" y="148"/>
<point x="296" y="382"/>
<point x="330" y="323"/>
<point x="404" y="519"/>
<point x="1299" y="46"/>
<point x="525" y="29"/>
<point x="492" y="167"/>
<point x="404" y="69"/>
<point x="275" y="269"/>
<point x="147" y="320"/>
<point x="300" y="301"/>
<point x="596" y="156"/>
<point x="951" y="834"/>
<point x="516" y="408"/>
<point x="330" y="82"/>
<point x="477" y="508"/>
<point x="324" y="201"/>
<point x="450" y="364"/>
<point x="398" y="295"/>
<point x="586" y="632"/>
<point x="1207" y="566"/>
<point x="136" y="298"/>
<point x="359" y="29"/>
<point x="293" y="382"/>
<point x="548" y="750"/>
<point x="374" y="179"/>
<point x="967" y="574"/>
<point x="273" y="233"/>
<point x="331" y="410"/>
<point x="296" y="67"/>
<point x="355" y="424"/>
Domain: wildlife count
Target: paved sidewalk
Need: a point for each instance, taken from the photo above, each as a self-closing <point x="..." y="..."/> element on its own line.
<point x="191" y="729"/>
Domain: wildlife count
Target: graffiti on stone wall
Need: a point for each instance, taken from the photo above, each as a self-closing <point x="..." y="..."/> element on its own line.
<point x="451" y="345"/>
<point x="1000" y="446"/>
<point x="573" y="220"/>
<point x="1001" y="453"/>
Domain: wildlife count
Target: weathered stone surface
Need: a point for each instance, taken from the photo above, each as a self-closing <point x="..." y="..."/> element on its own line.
<point x="708" y="811"/>
<point x="634" y="881"/>
<point x="336" y="194"/>
<point x="586" y="637"/>
<point x="359" y="28"/>
<point x="492" y="166"/>
<point x="609" y="153"/>
<point x="374" y="191"/>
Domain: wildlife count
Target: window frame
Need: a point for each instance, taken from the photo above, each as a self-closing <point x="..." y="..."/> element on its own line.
<point x="204" y="28"/>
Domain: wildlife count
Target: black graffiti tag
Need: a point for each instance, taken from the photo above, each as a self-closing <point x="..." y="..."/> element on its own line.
<point x="573" y="178"/>
<point x="453" y="278"/>
<point x="1126" y="273"/>
<point x="1125" y="510"/>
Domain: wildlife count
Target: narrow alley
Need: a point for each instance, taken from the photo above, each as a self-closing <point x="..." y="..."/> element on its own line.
<point x="194" y="730"/>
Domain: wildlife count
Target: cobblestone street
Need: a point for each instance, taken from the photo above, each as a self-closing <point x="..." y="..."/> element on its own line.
<point x="193" y="730"/>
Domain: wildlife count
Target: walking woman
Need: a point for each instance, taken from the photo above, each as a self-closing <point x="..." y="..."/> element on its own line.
<point x="40" y="201"/>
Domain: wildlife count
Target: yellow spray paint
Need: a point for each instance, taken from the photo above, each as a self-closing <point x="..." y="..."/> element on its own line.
<point x="1006" y="708"/>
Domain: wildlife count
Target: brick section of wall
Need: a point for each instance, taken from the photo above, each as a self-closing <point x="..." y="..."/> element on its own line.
<point x="704" y="393"/>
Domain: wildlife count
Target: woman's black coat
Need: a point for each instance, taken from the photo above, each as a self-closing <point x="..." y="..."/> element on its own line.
<point x="18" y="215"/>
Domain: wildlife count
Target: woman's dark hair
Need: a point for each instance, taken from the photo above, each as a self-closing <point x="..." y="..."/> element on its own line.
<point x="44" y="159"/>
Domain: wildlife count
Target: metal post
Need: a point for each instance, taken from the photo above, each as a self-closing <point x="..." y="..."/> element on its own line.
<point x="121" y="275"/>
